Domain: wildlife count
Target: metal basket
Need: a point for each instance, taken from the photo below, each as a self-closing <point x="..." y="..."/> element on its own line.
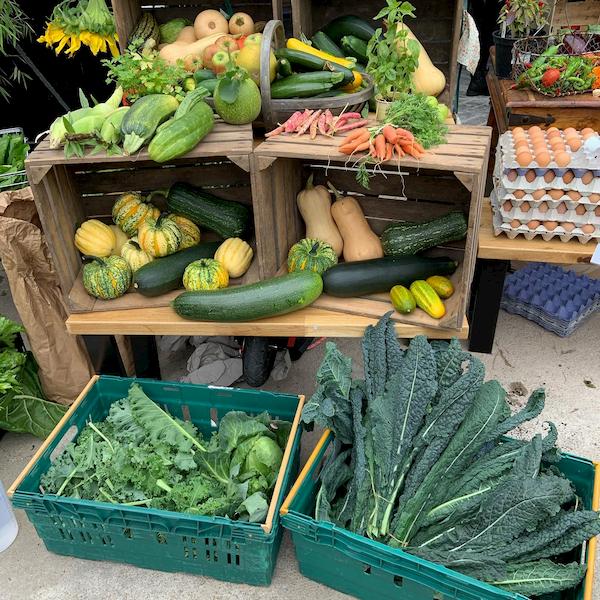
<point x="527" y="50"/>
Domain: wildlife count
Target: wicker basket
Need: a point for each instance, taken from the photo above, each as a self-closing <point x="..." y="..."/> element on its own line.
<point x="527" y="50"/>
<point x="277" y="111"/>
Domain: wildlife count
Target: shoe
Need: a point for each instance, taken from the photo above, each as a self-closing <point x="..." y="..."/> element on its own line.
<point x="478" y="85"/>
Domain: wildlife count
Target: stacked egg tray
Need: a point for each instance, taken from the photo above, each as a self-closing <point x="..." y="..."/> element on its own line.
<point x="547" y="184"/>
<point x="556" y="299"/>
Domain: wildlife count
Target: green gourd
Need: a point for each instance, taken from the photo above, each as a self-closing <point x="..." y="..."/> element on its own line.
<point x="107" y="278"/>
<point x="311" y="255"/>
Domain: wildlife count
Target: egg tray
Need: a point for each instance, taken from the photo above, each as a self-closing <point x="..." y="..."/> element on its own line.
<point x="557" y="299"/>
<point x="501" y="172"/>
<point x="579" y="160"/>
<point x="509" y="194"/>
<point x="590" y="217"/>
<point x="565" y="236"/>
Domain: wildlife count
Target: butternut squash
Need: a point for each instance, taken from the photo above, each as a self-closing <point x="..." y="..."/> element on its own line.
<point x="360" y="242"/>
<point x="187" y="35"/>
<point x="179" y="50"/>
<point x="208" y="22"/>
<point x="314" y="204"/>
<point x="427" y="78"/>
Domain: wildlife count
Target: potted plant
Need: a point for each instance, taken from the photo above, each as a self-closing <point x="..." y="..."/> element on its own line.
<point x="517" y="19"/>
<point x="392" y="56"/>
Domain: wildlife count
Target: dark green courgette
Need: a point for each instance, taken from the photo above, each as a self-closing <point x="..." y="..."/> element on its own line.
<point x="382" y="274"/>
<point x="323" y="42"/>
<point x="305" y="85"/>
<point x="331" y="94"/>
<point x="284" y="68"/>
<point x="335" y="68"/>
<point x="354" y="46"/>
<point x="301" y="59"/>
<point x="202" y="75"/>
<point x="165" y="274"/>
<point x="349" y="25"/>
<point x="209" y="85"/>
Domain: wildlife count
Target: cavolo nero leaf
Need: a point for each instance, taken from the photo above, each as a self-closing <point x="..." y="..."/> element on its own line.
<point x="533" y="408"/>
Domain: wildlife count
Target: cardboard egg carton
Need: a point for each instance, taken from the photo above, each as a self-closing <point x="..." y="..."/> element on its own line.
<point x="533" y="198"/>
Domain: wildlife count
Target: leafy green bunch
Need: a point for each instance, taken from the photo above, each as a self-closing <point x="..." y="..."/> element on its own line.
<point x="392" y="56"/>
<point x="141" y="455"/>
<point x="13" y="152"/>
<point x="23" y="407"/>
<point x="420" y="461"/>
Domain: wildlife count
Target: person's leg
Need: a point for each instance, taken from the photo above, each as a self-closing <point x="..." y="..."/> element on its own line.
<point x="485" y="14"/>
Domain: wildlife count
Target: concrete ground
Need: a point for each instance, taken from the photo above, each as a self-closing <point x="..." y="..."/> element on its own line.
<point x="524" y="357"/>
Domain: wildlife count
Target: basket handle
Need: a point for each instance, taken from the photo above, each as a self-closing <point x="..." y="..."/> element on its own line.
<point x="273" y="34"/>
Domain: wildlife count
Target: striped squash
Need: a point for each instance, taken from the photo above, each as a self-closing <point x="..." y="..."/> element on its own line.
<point x="189" y="230"/>
<point x="235" y="255"/>
<point x="106" y="278"/>
<point x="130" y="210"/>
<point x="159" y="237"/>
<point x="311" y="255"/>
<point x="134" y="255"/>
<point x="94" y="238"/>
<point x="205" y="274"/>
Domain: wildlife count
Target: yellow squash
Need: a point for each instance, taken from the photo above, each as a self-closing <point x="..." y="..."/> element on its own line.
<point x="235" y="255"/>
<point x="94" y="238"/>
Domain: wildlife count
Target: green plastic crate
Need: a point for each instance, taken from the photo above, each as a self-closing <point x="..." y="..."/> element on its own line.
<point x="363" y="568"/>
<point x="157" y="539"/>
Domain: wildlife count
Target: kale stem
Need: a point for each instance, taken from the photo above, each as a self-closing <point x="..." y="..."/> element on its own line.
<point x="70" y="476"/>
<point x="92" y="426"/>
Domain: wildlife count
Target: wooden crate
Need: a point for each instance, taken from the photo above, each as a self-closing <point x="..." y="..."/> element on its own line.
<point x="128" y="12"/>
<point x="574" y="13"/>
<point x="68" y="191"/>
<point x="437" y="27"/>
<point x="450" y="178"/>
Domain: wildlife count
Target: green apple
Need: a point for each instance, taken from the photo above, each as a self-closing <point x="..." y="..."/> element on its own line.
<point x="443" y="112"/>
<point x="432" y="101"/>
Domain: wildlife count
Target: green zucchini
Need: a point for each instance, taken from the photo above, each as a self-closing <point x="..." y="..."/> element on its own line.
<point x="382" y="274"/>
<point x="225" y="217"/>
<point x="301" y="59"/>
<point x="349" y="25"/>
<point x="331" y="94"/>
<point x="354" y="46"/>
<point x="324" y="43"/>
<point x="164" y="275"/>
<point x="202" y="75"/>
<point x="209" y="85"/>
<point x="405" y="239"/>
<point x="304" y="85"/>
<point x="284" y="68"/>
<point x="276" y="296"/>
<point x="335" y="68"/>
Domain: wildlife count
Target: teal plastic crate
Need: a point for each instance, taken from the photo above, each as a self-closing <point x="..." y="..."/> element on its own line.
<point x="363" y="568"/>
<point x="158" y="539"/>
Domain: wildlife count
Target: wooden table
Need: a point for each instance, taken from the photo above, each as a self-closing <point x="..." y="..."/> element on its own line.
<point x="493" y="260"/>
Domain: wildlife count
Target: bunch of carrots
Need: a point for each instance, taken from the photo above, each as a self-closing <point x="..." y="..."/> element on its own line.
<point x="382" y="143"/>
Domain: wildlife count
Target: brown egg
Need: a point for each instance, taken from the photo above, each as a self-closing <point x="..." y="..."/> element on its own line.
<point x="587" y="136"/>
<point x="518" y="131"/>
<point x="568" y="176"/>
<point x="543" y="207"/>
<point x="518" y="194"/>
<point x="524" y="158"/>
<point x="588" y="131"/>
<point x="512" y="175"/>
<point x="552" y="132"/>
<point x="569" y="132"/>
<point x="556" y="194"/>
<point x="534" y="131"/>
<point x="525" y="207"/>
<point x="515" y="223"/>
<point x="562" y="159"/>
<point x="568" y="226"/>
<point x="574" y="143"/>
<point x="557" y="146"/>
<point x="530" y="175"/>
<point x="550" y="225"/>
<point x="561" y="209"/>
<point x="574" y="195"/>
<point x="588" y="228"/>
<point x="507" y="206"/>
<point x="543" y="158"/>
<point x="520" y="145"/>
<point x="580" y="210"/>
<point x="549" y="176"/>
<point x="534" y="224"/>
<point x="594" y="197"/>
<point x="538" y="194"/>
<point x="539" y="146"/>
<point x="597" y="212"/>
<point x="587" y="177"/>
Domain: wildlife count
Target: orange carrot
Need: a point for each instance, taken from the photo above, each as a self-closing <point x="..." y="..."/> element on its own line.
<point x="404" y="133"/>
<point x="389" y="133"/>
<point x="399" y="152"/>
<point x="355" y="141"/>
<point x="380" y="147"/>
<point x="389" y="151"/>
<point x="354" y="135"/>
<point x="363" y="146"/>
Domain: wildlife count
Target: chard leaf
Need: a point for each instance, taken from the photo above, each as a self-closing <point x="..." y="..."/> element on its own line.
<point x="540" y="577"/>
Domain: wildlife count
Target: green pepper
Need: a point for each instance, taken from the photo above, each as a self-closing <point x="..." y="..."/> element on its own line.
<point x="540" y="61"/>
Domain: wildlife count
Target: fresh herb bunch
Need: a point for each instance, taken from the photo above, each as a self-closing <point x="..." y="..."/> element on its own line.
<point x="392" y="56"/>
<point x="141" y="71"/>
<point x="420" y="461"/>
<point x="520" y="18"/>
<point x="420" y="116"/>
<point x="23" y="407"/>
<point x="142" y="456"/>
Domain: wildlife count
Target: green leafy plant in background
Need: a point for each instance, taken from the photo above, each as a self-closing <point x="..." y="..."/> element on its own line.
<point x="13" y="152"/>
<point x="519" y="18"/>
<point x="141" y="455"/>
<point x="420" y="461"/>
<point x="23" y="407"/>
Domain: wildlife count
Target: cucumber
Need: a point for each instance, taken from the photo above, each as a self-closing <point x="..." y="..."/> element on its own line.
<point x="276" y="296"/>
<point x="349" y="25"/>
<point x="305" y="85"/>
<point x="301" y="59"/>
<point x="209" y="85"/>
<point x="382" y="274"/>
<point x="323" y="42"/>
<point x="354" y="46"/>
<point x="225" y="217"/>
<point x="284" y="68"/>
<point x="202" y="75"/>
<point x="405" y="239"/>
<point x="165" y="274"/>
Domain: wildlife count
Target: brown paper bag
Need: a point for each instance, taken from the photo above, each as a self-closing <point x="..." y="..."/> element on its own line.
<point x="62" y="358"/>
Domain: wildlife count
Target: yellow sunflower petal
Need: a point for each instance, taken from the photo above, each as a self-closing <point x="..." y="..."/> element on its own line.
<point x="85" y="37"/>
<point x="74" y="45"/>
<point x="61" y="45"/>
<point x="112" y="44"/>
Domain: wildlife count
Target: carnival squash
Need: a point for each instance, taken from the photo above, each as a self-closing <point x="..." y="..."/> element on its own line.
<point x="314" y="204"/>
<point x="106" y="278"/>
<point x="134" y="255"/>
<point x="190" y="232"/>
<point x="205" y="274"/>
<point x="427" y="78"/>
<point x="311" y="255"/>
<point x="159" y="237"/>
<point x="120" y="240"/>
<point x="360" y="242"/>
<point x="130" y="210"/>
<point x="235" y="255"/>
<point x="94" y="238"/>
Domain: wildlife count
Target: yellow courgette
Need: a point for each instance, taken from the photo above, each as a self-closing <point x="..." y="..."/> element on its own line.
<point x="427" y="299"/>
